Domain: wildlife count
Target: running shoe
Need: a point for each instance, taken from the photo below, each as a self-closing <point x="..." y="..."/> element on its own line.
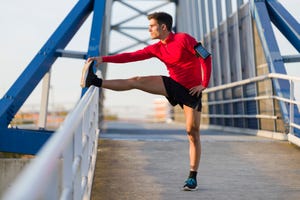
<point x="88" y="76"/>
<point x="190" y="185"/>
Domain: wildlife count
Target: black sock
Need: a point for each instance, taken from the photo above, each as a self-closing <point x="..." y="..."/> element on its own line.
<point x="193" y="174"/>
<point x="92" y="78"/>
<point x="97" y="81"/>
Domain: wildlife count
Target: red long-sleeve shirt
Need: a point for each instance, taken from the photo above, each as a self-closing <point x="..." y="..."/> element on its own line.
<point x="178" y="54"/>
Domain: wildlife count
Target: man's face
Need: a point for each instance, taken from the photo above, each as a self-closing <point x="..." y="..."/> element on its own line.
<point x="155" y="29"/>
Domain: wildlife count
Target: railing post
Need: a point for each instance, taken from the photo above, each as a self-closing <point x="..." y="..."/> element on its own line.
<point x="67" y="159"/>
<point x="87" y="131"/>
<point x="291" y="107"/>
<point x="78" y="139"/>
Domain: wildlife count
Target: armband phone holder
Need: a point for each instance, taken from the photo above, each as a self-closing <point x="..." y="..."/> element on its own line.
<point x="201" y="51"/>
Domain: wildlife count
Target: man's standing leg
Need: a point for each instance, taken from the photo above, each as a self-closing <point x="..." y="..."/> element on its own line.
<point x="192" y="128"/>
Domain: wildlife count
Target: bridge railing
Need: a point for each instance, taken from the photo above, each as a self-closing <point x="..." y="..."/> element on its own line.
<point x="292" y="125"/>
<point x="64" y="167"/>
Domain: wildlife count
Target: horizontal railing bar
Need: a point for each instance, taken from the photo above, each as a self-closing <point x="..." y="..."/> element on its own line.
<point x="295" y="125"/>
<point x="241" y="83"/>
<point x="236" y="100"/>
<point x="235" y="84"/>
<point x="264" y="65"/>
<point x="239" y="116"/>
<point x="284" y="76"/>
<point x="250" y="99"/>
<point x="251" y="80"/>
<point x="286" y="100"/>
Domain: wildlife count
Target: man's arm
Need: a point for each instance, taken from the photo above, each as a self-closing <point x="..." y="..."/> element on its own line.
<point x="206" y="70"/>
<point x="123" y="57"/>
<point x="206" y="73"/>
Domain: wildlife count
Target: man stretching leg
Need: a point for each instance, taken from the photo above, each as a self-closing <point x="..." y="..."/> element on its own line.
<point x="189" y="76"/>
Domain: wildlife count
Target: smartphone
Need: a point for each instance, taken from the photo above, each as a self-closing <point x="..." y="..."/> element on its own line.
<point x="201" y="51"/>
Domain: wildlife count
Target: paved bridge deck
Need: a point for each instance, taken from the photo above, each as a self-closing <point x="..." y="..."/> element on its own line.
<point x="139" y="161"/>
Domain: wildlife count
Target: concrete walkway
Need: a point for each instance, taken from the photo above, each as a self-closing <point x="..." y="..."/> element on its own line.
<point x="141" y="161"/>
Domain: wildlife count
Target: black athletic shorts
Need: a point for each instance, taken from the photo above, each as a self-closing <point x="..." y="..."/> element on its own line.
<point x="178" y="94"/>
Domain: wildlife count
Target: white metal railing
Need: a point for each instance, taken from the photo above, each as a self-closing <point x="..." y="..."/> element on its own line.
<point x="64" y="167"/>
<point x="292" y="102"/>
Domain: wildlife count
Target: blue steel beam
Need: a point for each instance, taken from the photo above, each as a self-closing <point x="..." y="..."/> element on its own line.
<point x="285" y="22"/>
<point x="42" y="62"/>
<point x="96" y="31"/>
<point x="271" y="50"/>
<point x="274" y="59"/>
<point x="97" y="28"/>
<point x="23" y="141"/>
<point x="30" y="141"/>
<point x="291" y="58"/>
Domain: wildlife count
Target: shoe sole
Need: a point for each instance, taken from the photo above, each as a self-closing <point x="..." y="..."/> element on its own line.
<point x="189" y="189"/>
<point x="85" y="72"/>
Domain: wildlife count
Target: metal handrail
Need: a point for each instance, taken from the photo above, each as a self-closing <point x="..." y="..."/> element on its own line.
<point x="239" y="116"/>
<point x="64" y="167"/>
<point x="251" y="80"/>
<point x="291" y="100"/>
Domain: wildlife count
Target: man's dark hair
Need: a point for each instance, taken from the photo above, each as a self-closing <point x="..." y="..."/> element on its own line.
<point x="162" y="18"/>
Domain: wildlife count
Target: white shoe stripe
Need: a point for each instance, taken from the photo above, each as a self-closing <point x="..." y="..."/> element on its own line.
<point x="84" y="74"/>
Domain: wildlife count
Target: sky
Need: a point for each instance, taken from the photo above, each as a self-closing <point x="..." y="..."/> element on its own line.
<point x="26" y="26"/>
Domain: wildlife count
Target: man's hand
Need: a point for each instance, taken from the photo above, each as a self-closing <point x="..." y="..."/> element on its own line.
<point x="197" y="90"/>
<point x="97" y="59"/>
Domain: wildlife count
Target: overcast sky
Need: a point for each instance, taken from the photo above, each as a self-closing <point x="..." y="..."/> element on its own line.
<point x="25" y="27"/>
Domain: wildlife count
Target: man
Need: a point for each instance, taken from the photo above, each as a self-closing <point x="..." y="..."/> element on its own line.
<point x="189" y="76"/>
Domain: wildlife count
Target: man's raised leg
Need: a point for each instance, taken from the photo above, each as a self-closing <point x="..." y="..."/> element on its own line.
<point x="150" y="84"/>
